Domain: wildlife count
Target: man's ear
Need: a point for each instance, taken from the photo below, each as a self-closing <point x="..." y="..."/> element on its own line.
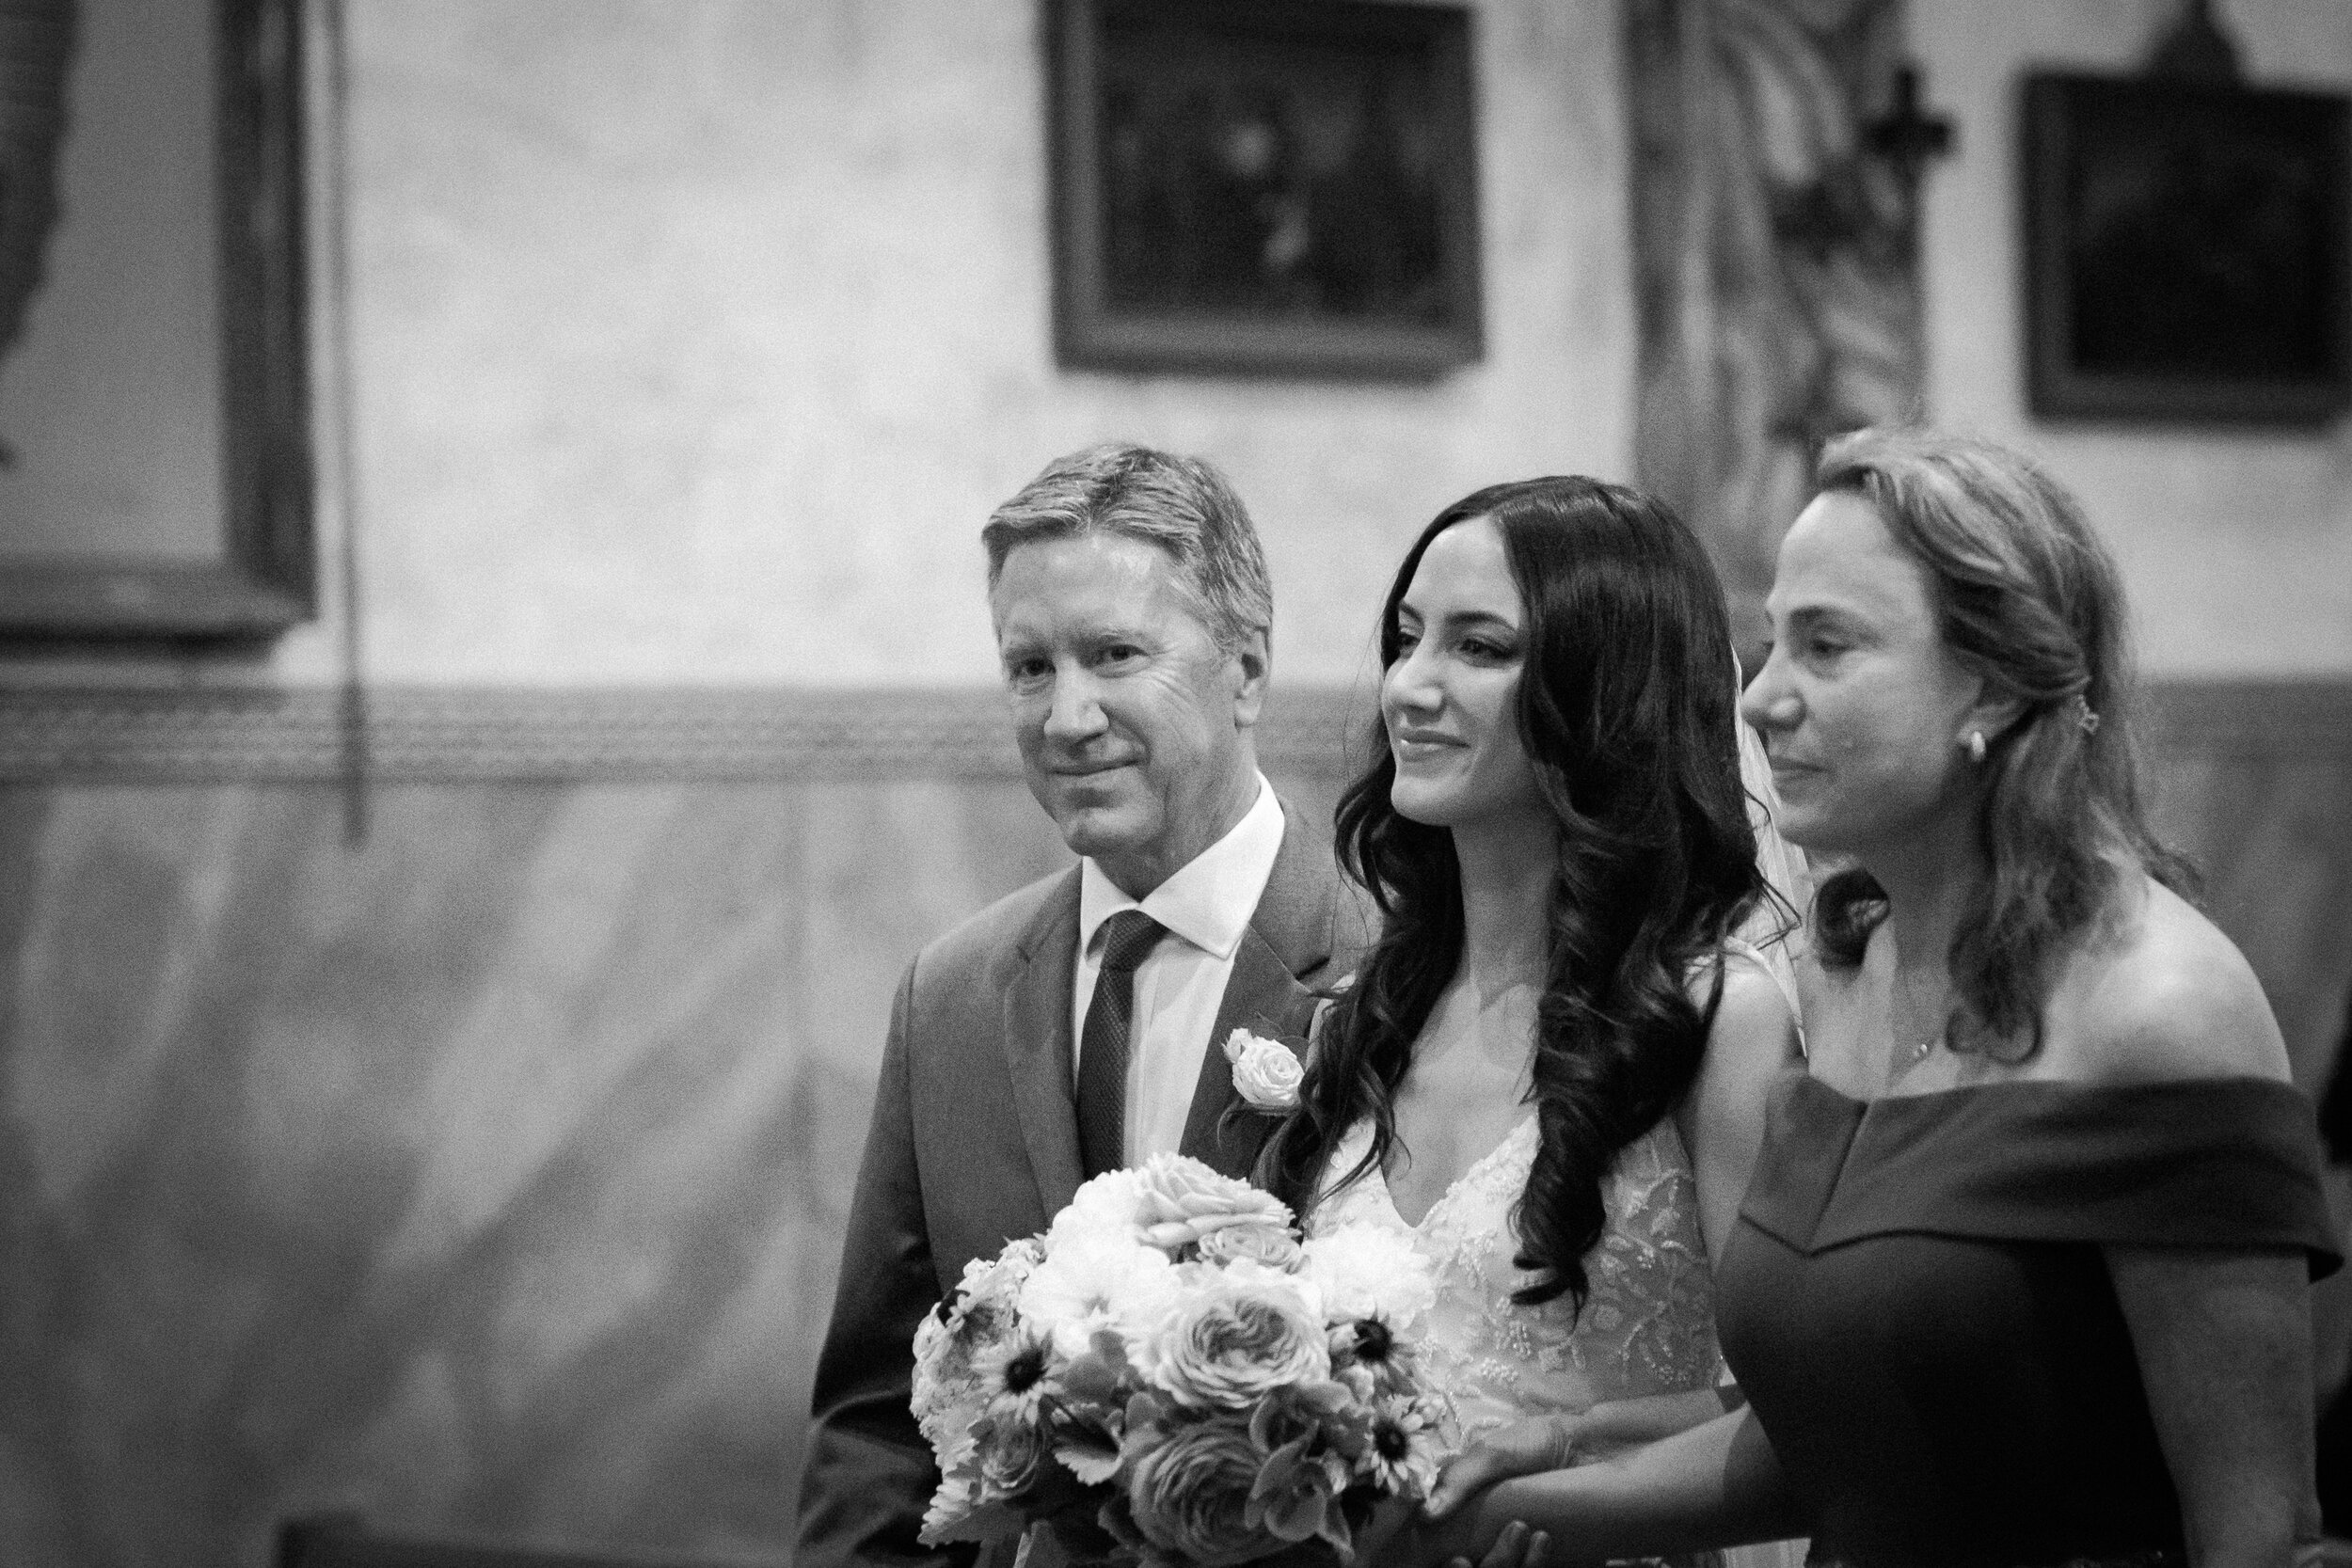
<point x="1251" y="662"/>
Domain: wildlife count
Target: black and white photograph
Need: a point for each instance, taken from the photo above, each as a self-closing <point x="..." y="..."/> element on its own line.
<point x="1175" y="783"/>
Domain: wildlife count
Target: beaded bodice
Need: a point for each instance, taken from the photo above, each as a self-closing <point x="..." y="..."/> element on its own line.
<point x="1648" y="1327"/>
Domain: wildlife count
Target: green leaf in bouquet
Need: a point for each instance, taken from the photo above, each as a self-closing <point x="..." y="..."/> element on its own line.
<point x="1091" y="1408"/>
<point x="1087" y="1440"/>
<point x="1335" y="1530"/>
<point x="996" y="1521"/>
<point x="1296" y="1496"/>
<point x="1103" y="1375"/>
<point x="1325" y="1410"/>
<point x="1148" y="1416"/>
<point x="1116" y="1518"/>
<point x="1094" y="1465"/>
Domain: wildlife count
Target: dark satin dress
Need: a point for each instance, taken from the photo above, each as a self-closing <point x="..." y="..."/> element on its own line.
<point x="1916" y="1304"/>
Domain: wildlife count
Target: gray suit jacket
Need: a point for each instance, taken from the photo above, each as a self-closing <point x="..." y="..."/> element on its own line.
<point x="974" y="1143"/>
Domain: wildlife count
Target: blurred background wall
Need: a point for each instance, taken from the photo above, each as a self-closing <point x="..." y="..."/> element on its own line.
<point x="458" y="1126"/>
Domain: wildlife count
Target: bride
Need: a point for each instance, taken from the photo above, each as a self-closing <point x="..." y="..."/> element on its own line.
<point x="1550" y="1070"/>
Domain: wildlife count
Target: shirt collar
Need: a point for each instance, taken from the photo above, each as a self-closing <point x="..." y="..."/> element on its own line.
<point x="1208" y="900"/>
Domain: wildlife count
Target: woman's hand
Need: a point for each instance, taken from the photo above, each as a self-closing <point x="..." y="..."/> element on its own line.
<point x="1418" y="1543"/>
<point x="1522" y="1449"/>
<point x="1518" y="1546"/>
<point x="1715" y="1485"/>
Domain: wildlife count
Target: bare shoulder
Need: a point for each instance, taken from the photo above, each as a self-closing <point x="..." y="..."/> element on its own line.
<point x="2166" y="996"/>
<point x="1753" y="1002"/>
<point x="1754" y="1028"/>
<point x="1752" y="1040"/>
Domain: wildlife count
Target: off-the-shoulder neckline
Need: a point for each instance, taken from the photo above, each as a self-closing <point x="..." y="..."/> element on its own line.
<point x="2062" y="1086"/>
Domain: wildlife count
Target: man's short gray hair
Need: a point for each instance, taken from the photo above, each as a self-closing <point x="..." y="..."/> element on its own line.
<point x="1180" y="504"/>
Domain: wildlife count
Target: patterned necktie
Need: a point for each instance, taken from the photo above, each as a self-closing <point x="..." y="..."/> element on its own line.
<point x="1128" y="938"/>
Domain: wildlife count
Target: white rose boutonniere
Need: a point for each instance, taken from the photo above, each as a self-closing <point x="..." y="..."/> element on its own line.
<point x="1266" y="1073"/>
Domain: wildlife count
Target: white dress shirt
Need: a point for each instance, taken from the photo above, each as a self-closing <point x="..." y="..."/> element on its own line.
<point x="1206" y="907"/>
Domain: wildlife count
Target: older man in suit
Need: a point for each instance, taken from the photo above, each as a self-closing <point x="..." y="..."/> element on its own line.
<point x="1074" y="1026"/>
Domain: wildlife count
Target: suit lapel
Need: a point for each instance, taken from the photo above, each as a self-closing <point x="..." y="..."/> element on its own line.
<point x="1037" y="1046"/>
<point x="1289" y="937"/>
<point x="1297" y="913"/>
<point x="1263" y="997"/>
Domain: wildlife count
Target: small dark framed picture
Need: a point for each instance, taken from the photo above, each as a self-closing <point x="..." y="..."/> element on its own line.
<point x="1283" y="187"/>
<point x="2187" y="250"/>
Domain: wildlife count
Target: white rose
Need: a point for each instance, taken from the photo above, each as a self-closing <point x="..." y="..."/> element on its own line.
<point x="1266" y="1073"/>
<point x="1366" y="1271"/>
<point x="1109" y="1205"/>
<point x="1179" y="1200"/>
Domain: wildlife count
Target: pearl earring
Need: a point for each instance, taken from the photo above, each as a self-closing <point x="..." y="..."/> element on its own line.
<point x="1976" y="745"/>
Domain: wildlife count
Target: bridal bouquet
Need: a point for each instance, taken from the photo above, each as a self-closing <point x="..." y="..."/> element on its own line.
<point x="1170" y="1377"/>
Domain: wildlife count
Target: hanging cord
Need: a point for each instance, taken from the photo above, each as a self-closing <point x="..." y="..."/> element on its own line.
<point x="354" y="763"/>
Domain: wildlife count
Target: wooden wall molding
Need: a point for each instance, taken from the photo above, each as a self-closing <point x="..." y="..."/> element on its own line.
<point x="2283" y="720"/>
<point x="107" y="736"/>
<point x="104" y="736"/>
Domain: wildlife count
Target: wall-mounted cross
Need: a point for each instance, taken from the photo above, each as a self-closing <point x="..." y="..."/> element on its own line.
<point x="1905" y="135"/>
<point x="2196" y="50"/>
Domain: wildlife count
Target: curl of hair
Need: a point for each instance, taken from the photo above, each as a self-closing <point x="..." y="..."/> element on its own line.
<point x="2027" y="596"/>
<point x="1625" y="703"/>
<point x="1179" y="505"/>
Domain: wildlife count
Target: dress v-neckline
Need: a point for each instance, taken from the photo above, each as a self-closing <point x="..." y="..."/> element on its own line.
<point x="1477" y="1168"/>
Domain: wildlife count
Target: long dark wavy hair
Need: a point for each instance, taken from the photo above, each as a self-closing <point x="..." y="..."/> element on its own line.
<point x="1625" y="700"/>
<point x="2025" y="597"/>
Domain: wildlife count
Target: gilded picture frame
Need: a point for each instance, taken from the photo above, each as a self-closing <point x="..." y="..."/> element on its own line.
<point x="1287" y="188"/>
<point x="233" y="559"/>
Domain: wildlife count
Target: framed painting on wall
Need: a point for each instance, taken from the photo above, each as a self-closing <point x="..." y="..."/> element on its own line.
<point x="154" y="448"/>
<point x="2187" y="249"/>
<point x="1282" y="187"/>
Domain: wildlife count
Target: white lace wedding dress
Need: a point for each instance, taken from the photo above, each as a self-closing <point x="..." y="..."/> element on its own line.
<point x="1648" y="1327"/>
<point x="1648" y="1324"/>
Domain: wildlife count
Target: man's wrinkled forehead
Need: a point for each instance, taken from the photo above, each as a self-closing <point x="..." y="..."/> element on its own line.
<point x="1086" y="585"/>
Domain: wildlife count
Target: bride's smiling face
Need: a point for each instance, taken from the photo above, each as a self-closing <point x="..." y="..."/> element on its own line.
<point x="1450" y="698"/>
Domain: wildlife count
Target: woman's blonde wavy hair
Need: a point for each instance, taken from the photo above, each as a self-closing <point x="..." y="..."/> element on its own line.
<point x="2028" y="597"/>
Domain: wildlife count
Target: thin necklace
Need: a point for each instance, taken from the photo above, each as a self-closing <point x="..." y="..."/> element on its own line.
<point x="1914" y="1055"/>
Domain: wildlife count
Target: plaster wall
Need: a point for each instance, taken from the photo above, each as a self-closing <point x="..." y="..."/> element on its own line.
<point x="2236" y="545"/>
<point x="692" y="341"/>
<point x="689" y="343"/>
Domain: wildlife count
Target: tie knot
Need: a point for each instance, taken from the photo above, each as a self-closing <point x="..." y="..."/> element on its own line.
<point x="1128" y="938"/>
